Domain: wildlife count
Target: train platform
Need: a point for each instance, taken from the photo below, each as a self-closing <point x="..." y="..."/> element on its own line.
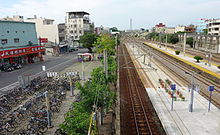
<point x="189" y="59"/>
<point x="179" y="121"/>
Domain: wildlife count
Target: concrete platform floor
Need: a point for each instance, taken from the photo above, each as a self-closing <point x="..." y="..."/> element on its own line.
<point x="179" y="121"/>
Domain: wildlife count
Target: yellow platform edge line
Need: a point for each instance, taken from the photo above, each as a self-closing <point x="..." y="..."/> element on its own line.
<point x="191" y="56"/>
<point x="187" y="62"/>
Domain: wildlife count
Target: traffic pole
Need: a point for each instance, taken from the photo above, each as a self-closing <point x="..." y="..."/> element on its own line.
<point x="106" y="64"/>
<point x="191" y="100"/>
<point x="144" y="59"/>
<point x="211" y="89"/>
<point x="71" y="87"/>
<point x="210" y="100"/>
<point x="48" y="110"/>
<point x="173" y="87"/>
<point x="83" y="69"/>
<point x="172" y="100"/>
<point x="184" y="44"/>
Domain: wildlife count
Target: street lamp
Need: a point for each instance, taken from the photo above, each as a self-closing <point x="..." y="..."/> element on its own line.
<point x="193" y="87"/>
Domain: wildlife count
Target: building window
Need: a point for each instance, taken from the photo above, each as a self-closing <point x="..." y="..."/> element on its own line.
<point x="75" y="26"/>
<point x="16" y="31"/>
<point x="7" y="31"/>
<point x="75" y="31"/>
<point x="216" y="29"/>
<point x="16" y="40"/>
<point x="4" y="41"/>
<point x="80" y="32"/>
<point x="23" y="31"/>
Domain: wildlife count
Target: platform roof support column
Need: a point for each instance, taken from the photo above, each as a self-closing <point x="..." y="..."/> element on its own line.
<point x="184" y="44"/>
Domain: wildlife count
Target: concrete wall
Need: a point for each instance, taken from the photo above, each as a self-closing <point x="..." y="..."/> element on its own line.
<point x="169" y="30"/>
<point x="49" y="31"/>
<point x="180" y="28"/>
<point x="23" y="31"/>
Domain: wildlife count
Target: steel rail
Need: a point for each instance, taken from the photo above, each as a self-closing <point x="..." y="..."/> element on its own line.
<point x="135" y="106"/>
<point x="199" y="77"/>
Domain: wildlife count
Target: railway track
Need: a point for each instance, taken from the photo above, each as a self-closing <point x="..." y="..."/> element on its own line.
<point x="138" y="116"/>
<point x="179" y="69"/>
<point x="215" y="57"/>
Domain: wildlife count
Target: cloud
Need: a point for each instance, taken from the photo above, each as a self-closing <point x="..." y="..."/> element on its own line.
<point x="145" y="13"/>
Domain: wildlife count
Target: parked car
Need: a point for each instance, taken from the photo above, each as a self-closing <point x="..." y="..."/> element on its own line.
<point x="100" y="56"/>
<point x="16" y="66"/>
<point x="6" y="67"/>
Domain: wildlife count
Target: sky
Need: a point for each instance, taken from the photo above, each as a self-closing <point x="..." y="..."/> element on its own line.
<point x="117" y="13"/>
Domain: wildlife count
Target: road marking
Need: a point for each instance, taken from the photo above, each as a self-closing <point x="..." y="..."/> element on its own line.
<point x="15" y="84"/>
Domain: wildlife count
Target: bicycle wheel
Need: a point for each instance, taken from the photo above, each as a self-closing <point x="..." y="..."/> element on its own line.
<point x="43" y="128"/>
<point x="11" y="129"/>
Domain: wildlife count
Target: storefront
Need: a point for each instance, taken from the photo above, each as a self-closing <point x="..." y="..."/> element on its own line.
<point x="22" y="55"/>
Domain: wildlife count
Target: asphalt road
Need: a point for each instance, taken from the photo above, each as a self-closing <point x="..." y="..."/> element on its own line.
<point x="52" y="64"/>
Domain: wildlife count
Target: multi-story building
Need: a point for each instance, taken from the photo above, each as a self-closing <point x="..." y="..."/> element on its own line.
<point x="46" y="29"/>
<point x="201" y="26"/>
<point x="159" y="28"/>
<point x="17" y="18"/>
<point x="180" y="28"/>
<point x="61" y="32"/>
<point x="169" y="30"/>
<point x="188" y="29"/>
<point x="77" y="23"/>
<point x="19" y="43"/>
<point x="102" y="30"/>
<point x="213" y="26"/>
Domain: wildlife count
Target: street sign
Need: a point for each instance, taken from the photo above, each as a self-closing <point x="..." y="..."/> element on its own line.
<point x="173" y="86"/>
<point x="21" y="81"/>
<point x="211" y="88"/>
<point x="43" y="40"/>
<point x="71" y="73"/>
<point x="52" y="74"/>
<point x="44" y="68"/>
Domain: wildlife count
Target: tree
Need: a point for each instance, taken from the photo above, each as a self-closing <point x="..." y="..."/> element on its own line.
<point x="198" y="58"/>
<point x="180" y="32"/>
<point x="205" y="31"/>
<point x="105" y="42"/>
<point x="88" y="39"/>
<point x="153" y="35"/>
<point x="76" y="120"/>
<point x="172" y="38"/>
<point x="189" y="41"/>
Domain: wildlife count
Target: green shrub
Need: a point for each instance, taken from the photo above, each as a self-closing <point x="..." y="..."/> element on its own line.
<point x="177" y="52"/>
<point x="198" y="58"/>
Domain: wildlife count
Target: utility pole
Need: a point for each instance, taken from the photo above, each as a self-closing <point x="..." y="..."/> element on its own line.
<point x="150" y="57"/>
<point x="48" y="109"/>
<point x="192" y="94"/>
<point x="138" y="49"/>
<point x="184" y="44"/>
<point x="131" y="24"/>
<point x="71" y="86"/>
<point x="144" y="59"/>
<point x="210" y="55"/>
<point x="106" y="64"/>
<point x="193" y="87"/>
<point x="166" y="41"/>
<point x="83" y="69"/>
<point x="39" y="40"/>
